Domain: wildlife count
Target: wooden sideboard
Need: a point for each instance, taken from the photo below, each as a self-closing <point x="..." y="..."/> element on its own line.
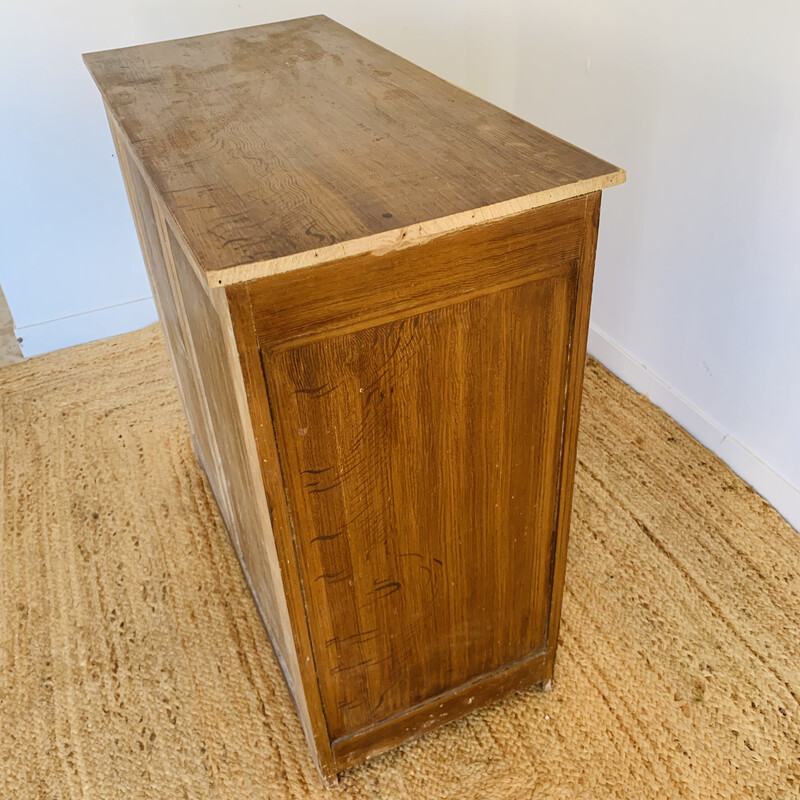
<point x="374" y="289"/>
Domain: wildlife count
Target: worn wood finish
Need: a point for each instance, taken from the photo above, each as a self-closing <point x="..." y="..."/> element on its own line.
<point x="284" y="145"/>
<point x="147" y="227"/>
<point x="532" y="672"/>
<point x="408" y="444"/>
<point x="406" y="447"/>
<point x="378" y="335"/>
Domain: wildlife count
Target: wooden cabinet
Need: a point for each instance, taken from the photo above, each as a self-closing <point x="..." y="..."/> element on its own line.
<point x="374" y="290"/>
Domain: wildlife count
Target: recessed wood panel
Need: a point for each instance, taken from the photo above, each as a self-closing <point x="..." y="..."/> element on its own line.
<point x="421" y="459"/>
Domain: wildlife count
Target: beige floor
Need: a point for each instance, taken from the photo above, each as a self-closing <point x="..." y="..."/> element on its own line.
<point x="133" y="664"/>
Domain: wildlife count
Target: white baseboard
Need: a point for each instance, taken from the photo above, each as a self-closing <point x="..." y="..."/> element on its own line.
<point x="785" y="497"/>
<point x="772" y="486"/>
<point x="101" y="323"/>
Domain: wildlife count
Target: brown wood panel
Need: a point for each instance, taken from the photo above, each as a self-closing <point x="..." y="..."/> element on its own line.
<point x="576" y="360"/>
<point x="302" y="137"/>
<point x="288" y="620"/>
<point x="236" y="492"/>
<point x="147" y="227"/>
<point x="421" y="458"/>
<point x="380" y="286"/>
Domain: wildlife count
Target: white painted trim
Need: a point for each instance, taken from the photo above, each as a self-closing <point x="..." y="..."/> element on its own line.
<point x="783" y="495"/>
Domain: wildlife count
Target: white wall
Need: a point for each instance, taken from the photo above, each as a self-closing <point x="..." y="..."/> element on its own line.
<point x="697" y="294"/>
<point x="698" y="273"/>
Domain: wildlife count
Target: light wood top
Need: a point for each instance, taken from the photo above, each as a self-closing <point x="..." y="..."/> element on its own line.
<point x="285" y="145"/>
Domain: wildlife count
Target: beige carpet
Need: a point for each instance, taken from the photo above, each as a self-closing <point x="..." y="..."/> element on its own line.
<point x="133" y="663"/>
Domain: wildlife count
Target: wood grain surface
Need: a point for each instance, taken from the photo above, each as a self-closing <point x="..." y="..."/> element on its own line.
<point x="284" y="145"/>
<point x="349" y="292"/>
<point x="422" y="462"/>
<point x="420" y="431"/>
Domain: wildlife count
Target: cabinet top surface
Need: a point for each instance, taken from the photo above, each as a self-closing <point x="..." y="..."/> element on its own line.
<point x="296" y="143"/>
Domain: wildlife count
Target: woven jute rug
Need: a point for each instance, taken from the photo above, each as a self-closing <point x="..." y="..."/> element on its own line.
<point x="133" y="663"/>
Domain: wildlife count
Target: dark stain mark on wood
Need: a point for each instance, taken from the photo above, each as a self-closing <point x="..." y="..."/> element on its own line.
<point x="329" y="576"/>
<point x="327" y="537"/>
<point x="383" y="695"/>
<point x="319" y="236"/>
<point x="422" y="566"/>
<point x="386" y="588"/>
<point x="322" y="238"/>
<point x="325" y="488"/>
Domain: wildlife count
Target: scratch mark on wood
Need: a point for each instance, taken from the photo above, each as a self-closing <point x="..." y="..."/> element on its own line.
<point x="359" y="637"/>
<point x="325" y="488"/>
<point x="329" y="576"/>
<point x="383" y="695"/>
<point x="369" y="662"/>
<point x="420" y="557"/>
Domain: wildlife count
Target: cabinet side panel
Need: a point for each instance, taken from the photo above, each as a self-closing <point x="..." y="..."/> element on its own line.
<point x="178" y="348"/>
<point x="238" y="504"/>
<point x="243" y="502"/>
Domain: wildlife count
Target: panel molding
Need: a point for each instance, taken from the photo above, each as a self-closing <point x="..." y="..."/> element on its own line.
<point x="562" y="269"/>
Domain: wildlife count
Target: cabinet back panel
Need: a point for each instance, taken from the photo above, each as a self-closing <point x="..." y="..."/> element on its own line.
<point x="421" y="459"/>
